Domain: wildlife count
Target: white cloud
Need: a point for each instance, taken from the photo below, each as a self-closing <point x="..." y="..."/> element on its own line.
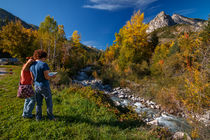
<point x="185" y="11"/>
<point x="89" y="43"/>
<point x="117" y="4"/>
<point x="103" y="7"/>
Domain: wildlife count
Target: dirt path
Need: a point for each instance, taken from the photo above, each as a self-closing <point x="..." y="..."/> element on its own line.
<point x="3" y="71"/>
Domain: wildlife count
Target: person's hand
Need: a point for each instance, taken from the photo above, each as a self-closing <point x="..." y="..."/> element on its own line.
<point x="53" y="76"/>
<point x="30" y="61"/>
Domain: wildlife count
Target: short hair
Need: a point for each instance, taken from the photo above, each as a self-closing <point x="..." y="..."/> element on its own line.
<point x="39" y="54"/>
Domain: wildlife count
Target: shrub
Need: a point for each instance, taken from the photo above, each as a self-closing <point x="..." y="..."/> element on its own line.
<point x="167" y="97"/>
<point x="173" y="66"/>
<point x="62" y="78"/>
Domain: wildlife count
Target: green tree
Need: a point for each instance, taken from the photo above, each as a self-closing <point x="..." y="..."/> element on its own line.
<point x="154" y="40"/>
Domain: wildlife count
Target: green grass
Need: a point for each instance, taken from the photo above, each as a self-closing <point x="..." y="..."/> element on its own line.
<point x="78" y="116"/>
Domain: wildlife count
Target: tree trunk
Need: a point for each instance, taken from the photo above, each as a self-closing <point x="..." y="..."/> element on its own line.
<point x="54" y="65"/>
<point x="41" y="44"/>
<point x="48" y="52"/>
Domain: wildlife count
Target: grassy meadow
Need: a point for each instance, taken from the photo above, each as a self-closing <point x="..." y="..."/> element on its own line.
<point x="79" y="116"/>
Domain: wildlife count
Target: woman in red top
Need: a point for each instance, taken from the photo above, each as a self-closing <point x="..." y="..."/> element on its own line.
<point x="27" y="79"/>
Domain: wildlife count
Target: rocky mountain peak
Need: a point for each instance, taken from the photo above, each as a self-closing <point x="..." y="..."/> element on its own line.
<point x="162" y="13"/>
<point x="161" y="20"/>
<point x="179" y="19"/>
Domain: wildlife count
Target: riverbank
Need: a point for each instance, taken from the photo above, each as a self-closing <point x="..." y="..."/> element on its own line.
<point x="152" y="112"/>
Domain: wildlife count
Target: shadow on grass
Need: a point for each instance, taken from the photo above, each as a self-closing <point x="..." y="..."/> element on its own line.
<point x="121" y="124"/>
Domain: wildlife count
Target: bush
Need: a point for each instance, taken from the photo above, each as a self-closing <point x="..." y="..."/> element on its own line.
<point x="62" y="78"/>
<point x="167" y="97"/>
<point x="173" y="66"/>
<point x="109" y="76"/>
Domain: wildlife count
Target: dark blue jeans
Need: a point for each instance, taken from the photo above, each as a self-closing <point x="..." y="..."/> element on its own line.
<point x="43" y="92"/>
<point x="28" y="107"/>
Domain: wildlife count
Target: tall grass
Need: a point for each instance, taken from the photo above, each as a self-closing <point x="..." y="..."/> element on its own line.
<point x="78" y="116"/>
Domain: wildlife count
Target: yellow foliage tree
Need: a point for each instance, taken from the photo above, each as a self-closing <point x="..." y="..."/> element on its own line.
<point x="134" y="34"/>
<point x="17" y="40"/>
<point x="158" y="59"/>
<point x="197" y="84"/>
<point x="132" y="40"/>
<point x="111" y="53"/>
<point x="76" y="38"/>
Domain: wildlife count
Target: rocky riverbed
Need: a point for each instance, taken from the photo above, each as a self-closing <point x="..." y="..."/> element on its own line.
<point x="152" y="112"/>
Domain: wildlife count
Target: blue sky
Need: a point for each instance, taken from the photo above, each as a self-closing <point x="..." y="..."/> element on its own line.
<point x="98" y="20"/>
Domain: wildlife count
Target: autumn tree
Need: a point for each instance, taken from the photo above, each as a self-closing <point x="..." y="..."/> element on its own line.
<point x="76" y="38"/>
<point x="52" y="38"/>
<point x="47" y="34"/>
<point x="159" y="56"/>
<point x="196" y="50"/>
<point x="133" y="43"/>
<point x="75" y="56"/>
<point x="17" y="40"/>
<point x="111" y="54"/>
<point x="61" y="41"/>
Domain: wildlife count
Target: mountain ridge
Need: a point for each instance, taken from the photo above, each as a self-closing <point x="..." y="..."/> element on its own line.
<point x="163" y="20"/>
<point x="6" y="17"/>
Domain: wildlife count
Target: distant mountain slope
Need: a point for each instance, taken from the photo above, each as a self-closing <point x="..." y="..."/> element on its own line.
<point x="6" y="17"/>
<point x="164" y="20"/>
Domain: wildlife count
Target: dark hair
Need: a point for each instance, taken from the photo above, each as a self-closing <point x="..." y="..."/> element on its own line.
<point x="39" y="54"/>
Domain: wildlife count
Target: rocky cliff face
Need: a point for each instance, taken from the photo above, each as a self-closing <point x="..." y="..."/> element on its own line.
<point x="162" y="20"/>
<point x="179" y="19"/>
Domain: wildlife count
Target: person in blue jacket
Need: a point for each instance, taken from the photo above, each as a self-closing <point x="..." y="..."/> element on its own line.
<point x="40" y="70"/>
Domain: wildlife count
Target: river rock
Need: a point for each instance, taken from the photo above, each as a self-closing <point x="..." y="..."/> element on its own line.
<point x="126" y="96"/>
<point x="154" y="122"/>
<point x="121" y="96"/>
<point x="142" y="100"/>
<point x="157" y="107"/>
<point x="152" y="106"/>
<point x="205" y="118"/>
<point x="106" y="92"/>
<point x="128" y="89"/>
<point x="117" y="103"/>
<point x="171" y="111"/>
<point x="139" y="105"/>
<point x="130" y="96"/>
<point x="181" y="136"/>
<point x="117" y="88"/>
